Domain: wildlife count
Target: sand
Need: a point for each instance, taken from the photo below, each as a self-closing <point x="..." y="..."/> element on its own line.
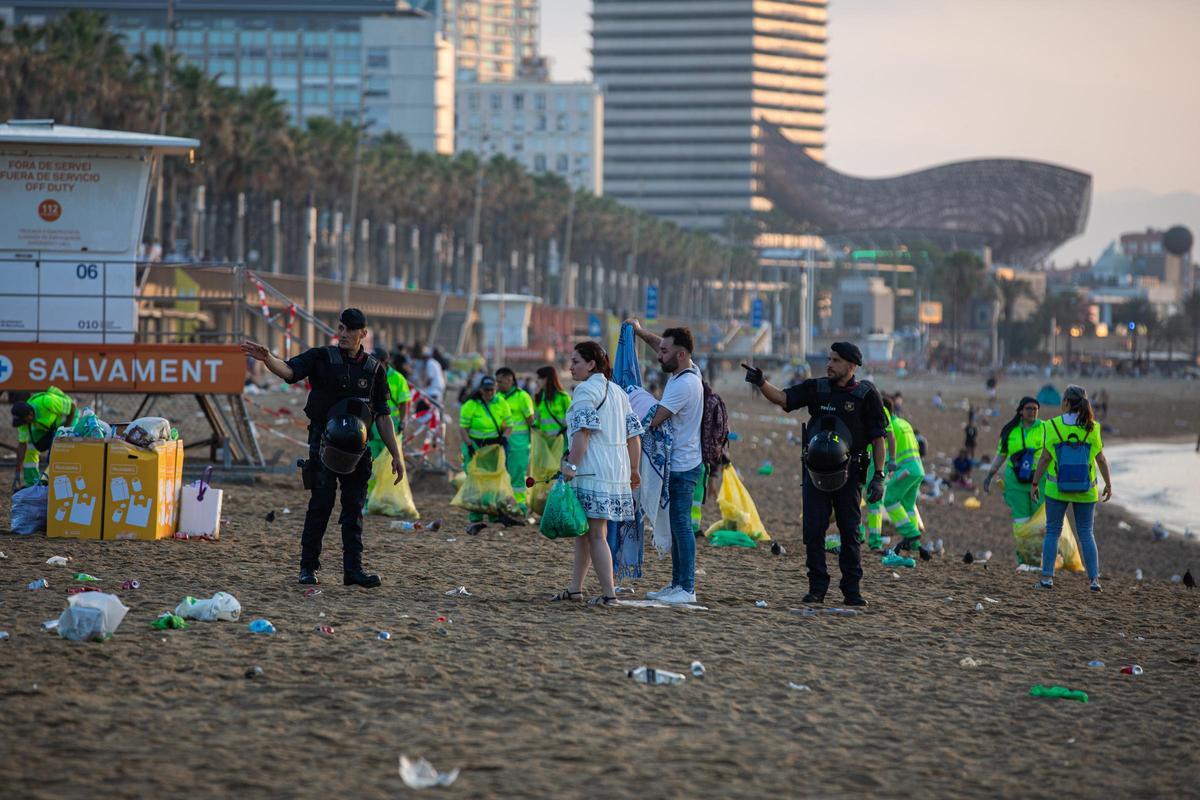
<point x="530" y="699"/>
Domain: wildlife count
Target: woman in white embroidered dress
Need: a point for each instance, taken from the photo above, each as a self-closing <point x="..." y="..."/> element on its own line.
<point x="604" y="438"/>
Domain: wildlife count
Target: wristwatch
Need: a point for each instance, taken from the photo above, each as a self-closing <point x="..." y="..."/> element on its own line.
<point x="570" y="466"/>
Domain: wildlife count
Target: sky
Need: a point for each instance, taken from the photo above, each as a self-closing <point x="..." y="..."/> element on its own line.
<point x="1102" y="86"/>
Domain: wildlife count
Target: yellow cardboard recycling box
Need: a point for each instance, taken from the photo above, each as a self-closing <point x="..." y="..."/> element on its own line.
<point x="142" y="494"/>
<point x="77" y="480"/>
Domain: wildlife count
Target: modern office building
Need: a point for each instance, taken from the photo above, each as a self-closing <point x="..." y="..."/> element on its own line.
<point x="686" y="84"/>
<point x="547" y="127"/>
<point x="376" y="58"/>
<point x="490" y="37"/>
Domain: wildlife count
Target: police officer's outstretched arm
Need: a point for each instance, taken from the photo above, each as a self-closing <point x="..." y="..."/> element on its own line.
<point x="260" y="353"/>
<point x="773" y="393"/>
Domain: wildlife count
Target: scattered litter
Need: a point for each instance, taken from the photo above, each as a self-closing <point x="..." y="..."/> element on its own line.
<point x="697" y="669"/>
<point x="767" y="468"/>
<point x="127" y="585"/>
<point x="50" y="625"/>
<point x="760" y="603"/>
<point x="420" y="774"/>
<point x="452" y="539"/>
<point x="1124" y="526"/>
<point x="972" y="503"/>
<point x="1176" y="578"/>
<point x="328" y="630"/>
<point x="80" y="589"/>
<point x="169" y="621"/>
<point x="461" y="591"/>
<point x="40" y="583"/>
<point x="443" y="619"/>
<point x="287" y="511"/>
<point x="655" y="676"/>
<point x="83" y="577"/>
<point x="384" y="636"/>
<point x="1159" y="532"/>
<point x="990" y="600"/>
<point x="777" y="549"/>
<point x="254" y="672"/>
<point x="896" y="575"/>
<point x="979" y="606"/>
<point x="799" y="687"/>
<point x="406" y="525"/>
<point x="262" y="626"/>
<point x="967" y="661"/>
<point x="58" y="561"/>
<point x="3" y="557"/>
<point x="1132" y="669"/>
<point x="657" y="604"/>
<point x="1032" y="568"/>
<point x="91" y="615"/>
<point x="221" y="606"/>
<point x="1138" y="574"/>
<point x="270" y="516"/>
<point x="1060" y="692"/>
<point x="891" y="559"/>
<point x="1097" y="664"/>
<point x="313" y="592"/>
<point x="3" y="635"/>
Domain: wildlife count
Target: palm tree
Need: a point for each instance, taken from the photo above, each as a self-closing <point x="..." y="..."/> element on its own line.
<point x="1010" y="291"/>
<point x="961" y="278"/>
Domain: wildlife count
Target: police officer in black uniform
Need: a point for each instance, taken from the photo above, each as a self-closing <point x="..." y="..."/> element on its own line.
<point x="349" y="394"/>
<point x="846" y="418"/>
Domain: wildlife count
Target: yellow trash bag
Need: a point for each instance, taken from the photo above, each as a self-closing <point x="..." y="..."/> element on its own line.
<point x="1029" y="535"/>
<point x="387" y="497"/>
<point x="487" y="489"/>
<point x="738" y="512"/>
<point x="545" y="456"/>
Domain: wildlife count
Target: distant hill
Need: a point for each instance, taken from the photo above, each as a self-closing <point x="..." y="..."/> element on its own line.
<point x="1127" y="210"/>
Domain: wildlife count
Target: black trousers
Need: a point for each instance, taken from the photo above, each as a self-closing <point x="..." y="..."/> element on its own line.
<point x="320" y="506"/>
<point x="817" y="507"/>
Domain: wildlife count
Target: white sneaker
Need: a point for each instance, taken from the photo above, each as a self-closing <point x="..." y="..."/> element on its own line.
<point x="677" y="595"/>
<point x="670" y="587"/>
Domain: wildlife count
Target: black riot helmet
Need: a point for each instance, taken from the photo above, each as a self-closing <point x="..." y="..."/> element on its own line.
<point x="827" y="458"/>
<point x="343" y="443"/>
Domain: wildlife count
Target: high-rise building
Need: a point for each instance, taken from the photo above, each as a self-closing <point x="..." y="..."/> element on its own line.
<point x="374" y="58"/>
<point x="547" y="127"/>
<point x="490" y="37"/>
<point x="686" y="83"/>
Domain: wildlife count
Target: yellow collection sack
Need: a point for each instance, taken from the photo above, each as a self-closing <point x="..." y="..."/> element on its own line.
<point x="545" y="455"/>
<point x="738" y="512"/>
<point x="387" y="497"/>
<point x="487" y="489"/>
<point x="1029" y="535"/>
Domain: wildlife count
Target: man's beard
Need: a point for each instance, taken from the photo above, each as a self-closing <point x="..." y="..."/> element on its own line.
<point x="665" y="367"/>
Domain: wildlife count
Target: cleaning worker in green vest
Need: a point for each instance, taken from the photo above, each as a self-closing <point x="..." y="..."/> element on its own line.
<point x="871" y="529"/>
<point x="483" y="420"/>
<point x="398" y="395"/>
<point x="36" y="420"/>
<point x="516" y="450"/>
<point x="1021" y="442"/>
<point x="900" y="497"/>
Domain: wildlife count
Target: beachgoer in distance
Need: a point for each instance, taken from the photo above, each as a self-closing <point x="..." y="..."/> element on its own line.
<point x="602" y="465"/>
<point x="683" y="403"/>
<point x="1020" y="447"/>
<point x="1071" y="456"/>
<point x="846" y="419"/>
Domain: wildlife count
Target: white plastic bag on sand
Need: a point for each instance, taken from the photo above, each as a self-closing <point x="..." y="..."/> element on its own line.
<point x="91" y="615"/>
<point x="221" y="606"/>
<point x="420" y="774"/>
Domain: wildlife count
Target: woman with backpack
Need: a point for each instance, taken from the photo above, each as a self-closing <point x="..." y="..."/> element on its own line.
<point x="1071" y="454"/>
<point x="1020" y="447"/>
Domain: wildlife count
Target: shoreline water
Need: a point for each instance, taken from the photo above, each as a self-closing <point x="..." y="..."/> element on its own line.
<point x="1156" y="482"/>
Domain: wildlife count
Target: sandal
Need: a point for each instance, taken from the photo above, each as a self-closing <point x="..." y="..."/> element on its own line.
<point x="565" y="594"/>
<point x="606" y="602"/>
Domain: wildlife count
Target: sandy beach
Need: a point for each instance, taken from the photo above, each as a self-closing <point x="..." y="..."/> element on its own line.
<point x="530" y="699"/>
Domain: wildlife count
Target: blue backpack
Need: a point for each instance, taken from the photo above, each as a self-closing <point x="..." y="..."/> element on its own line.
<point x="1074" y="462"/>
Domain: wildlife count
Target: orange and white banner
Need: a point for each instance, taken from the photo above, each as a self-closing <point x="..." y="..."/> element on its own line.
<point x="122" y="368"/>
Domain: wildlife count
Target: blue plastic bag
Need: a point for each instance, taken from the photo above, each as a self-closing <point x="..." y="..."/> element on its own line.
<point x="29" y="510"/>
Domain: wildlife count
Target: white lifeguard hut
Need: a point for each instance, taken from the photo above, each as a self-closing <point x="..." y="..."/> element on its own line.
<point x="72" y="208"/>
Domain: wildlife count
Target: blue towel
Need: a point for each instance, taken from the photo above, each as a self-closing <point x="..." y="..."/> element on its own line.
<point x="626" y="370"/>
<point x="625" y="539"/>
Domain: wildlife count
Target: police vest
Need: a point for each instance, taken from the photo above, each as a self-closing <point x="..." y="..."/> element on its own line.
<point x="345" y="389"/>
<point x="841" y="412"/>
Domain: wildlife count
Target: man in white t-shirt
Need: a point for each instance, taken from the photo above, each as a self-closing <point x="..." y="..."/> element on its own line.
<point x="683" y="403"/>
<point x="435" y="378"/>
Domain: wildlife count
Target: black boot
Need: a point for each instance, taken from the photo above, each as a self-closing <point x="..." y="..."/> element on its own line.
<point x="308" y="577"/>
<point x="359" y="578"/>
<point x="813" y="597"/>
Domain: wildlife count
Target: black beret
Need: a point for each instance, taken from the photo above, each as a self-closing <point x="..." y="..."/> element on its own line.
<point x="353" y="319"/>
<point x="848" y="351"/>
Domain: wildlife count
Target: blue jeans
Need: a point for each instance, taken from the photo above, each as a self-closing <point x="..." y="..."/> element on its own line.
<point x="1055" y="511"/>
<point x="680" y="488"/>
